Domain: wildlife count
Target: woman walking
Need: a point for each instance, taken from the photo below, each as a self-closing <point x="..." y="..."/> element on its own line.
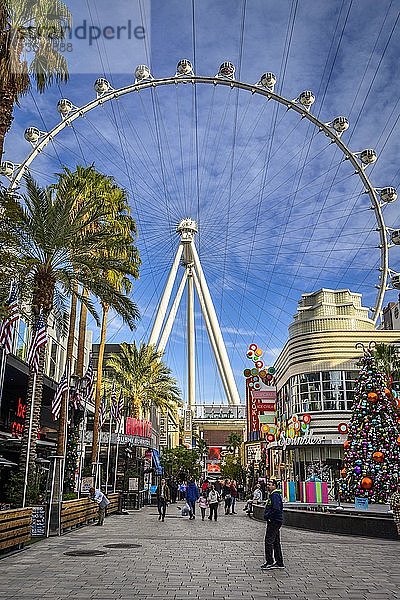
<point x="213" y="499"/>
<point x="234" y="494"/>
<point x="226" y="494"/>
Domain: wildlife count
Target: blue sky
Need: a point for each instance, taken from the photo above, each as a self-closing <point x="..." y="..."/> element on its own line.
<point x="279" y="212"/>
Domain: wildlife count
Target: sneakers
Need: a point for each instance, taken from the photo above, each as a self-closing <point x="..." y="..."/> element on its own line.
<point x="267" y="567"/>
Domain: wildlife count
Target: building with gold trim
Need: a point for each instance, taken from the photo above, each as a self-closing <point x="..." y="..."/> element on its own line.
<point x="315" y="376"/>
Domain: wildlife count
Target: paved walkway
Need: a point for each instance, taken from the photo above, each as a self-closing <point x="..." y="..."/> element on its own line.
<point x="181" y="559"/>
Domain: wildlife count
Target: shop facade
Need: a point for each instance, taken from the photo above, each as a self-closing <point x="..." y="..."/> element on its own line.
<point x="315" y="379"/>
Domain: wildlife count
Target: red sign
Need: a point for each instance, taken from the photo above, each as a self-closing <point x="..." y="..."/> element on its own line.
<point x="138" y="427"/>
<point x="266" y="406"/>
<point x="17" y="427"/>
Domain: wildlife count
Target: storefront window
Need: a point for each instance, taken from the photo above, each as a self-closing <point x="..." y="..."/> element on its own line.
<point x="326" y="390"/>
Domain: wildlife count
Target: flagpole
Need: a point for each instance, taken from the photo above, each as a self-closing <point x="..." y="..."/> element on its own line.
<point x="28" y="450"/>
<point x="62" y="466"/>
<point x="108" y="453"/>
<point x="117" y="426"/>
<point x="82" y="455"/>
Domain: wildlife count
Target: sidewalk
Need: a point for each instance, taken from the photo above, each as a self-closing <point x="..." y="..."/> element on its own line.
<point x="181" y="559"/>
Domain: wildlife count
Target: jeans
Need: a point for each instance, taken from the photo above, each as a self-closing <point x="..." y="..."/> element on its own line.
<point x="273" y="543"/>
<point x="213" y="511"/>
<point x="228" y="500"/>
<point x="192" y="504"/>
<point x="233" y="504"/>
<point x="162" y="507"/>
<point x="203" y="512"/>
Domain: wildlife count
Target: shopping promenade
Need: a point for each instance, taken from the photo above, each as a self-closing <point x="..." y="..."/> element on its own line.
<point x="181" y="559"/>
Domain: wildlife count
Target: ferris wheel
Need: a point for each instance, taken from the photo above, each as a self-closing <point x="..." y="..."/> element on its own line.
<point x="279" y="204"/>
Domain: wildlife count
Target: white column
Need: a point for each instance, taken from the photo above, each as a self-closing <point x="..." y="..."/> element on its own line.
<point x="211" y="337"/>
<point x="191" y="340"/>
<point x="172" y="315"/>
<point x="162" y="308"/>
<point x="234" y="394"/>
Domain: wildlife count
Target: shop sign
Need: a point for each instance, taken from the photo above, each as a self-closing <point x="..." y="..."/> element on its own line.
<point x="17" y="426"/>
<point x="361" y="503"/>
<point x="38" y="521"/>
<point x="306" y="440"/>
<point x="120" y="438"/>
<point x="187" y="420"/>
<point x="264" y="394"/>
<point x="163" y="430"/>
<point x="266" y="406"/>
<point x="138" y="427"/>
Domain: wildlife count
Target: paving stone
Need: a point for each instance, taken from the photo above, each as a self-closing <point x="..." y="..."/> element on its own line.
<point x="184" y="560"/>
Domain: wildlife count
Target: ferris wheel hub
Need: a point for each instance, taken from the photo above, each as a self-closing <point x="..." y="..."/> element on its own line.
<point x="187" y="228"/>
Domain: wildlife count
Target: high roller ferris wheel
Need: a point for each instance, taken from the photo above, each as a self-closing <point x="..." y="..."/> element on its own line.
<point x="228" y="210"/>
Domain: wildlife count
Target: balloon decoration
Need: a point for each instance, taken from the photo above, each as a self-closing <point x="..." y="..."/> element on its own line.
<point x="255" y="377"/>
<point x="371" y="465"/>
<point x="307" y="419"/>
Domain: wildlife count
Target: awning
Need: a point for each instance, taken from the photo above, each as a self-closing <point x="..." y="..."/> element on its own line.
<point x="156" y="461"/>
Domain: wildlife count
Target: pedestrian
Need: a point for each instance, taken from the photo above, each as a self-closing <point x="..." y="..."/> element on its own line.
<point x="102" y="501"/>
<point x="273" y="514"/>
<point x="226" y="495"/>
<point x="182" y="491"/>
<point x="203" y="503"/>
<point x="257" y="498"/>
<point x="394" y="501"/>
<point x="205" y="486"/>
<point x="173" y="488"/>
<point x="163" y="497"/>
<point x="192" y="495"/>
<point x="213" y="499"/>
<point x="217" y="485"/>
<point x="234" y="494"/>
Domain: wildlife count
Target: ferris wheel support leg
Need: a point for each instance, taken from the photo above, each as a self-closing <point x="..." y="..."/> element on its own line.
<point x="162" y="308"/>
<point x="212" y="338"/>
<point x="172" y="315"/>
<point x="191" y="340"/>
<point x="234" y="394"/>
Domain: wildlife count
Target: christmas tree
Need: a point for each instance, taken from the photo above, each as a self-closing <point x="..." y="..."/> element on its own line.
<point x="372" y="449"/>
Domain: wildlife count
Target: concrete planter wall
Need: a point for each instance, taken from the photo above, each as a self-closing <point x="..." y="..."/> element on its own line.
<point x="376" y="526"/>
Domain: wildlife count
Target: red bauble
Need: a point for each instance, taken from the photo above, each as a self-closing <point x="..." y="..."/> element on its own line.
<point x="378" y="457"/>
<point x="366" y="483"/>
<point x="346" y="444"/>
<point x="398" y="440"/>
<point x="388" y="393"/>
<point x="372" y="397"/>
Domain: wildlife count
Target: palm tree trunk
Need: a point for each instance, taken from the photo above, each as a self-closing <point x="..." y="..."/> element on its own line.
<point x="37" y="405"/>
<point x="100" y="361"/>
<point x="82" y="336"/>
<point x="6" y="113"/>
<point x="72" y="321"/>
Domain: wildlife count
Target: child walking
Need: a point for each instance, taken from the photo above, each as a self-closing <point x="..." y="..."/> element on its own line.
<point x="203" y="503"/>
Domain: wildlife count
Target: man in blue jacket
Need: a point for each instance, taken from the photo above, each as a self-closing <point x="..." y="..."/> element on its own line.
<point x="192" y="495"/>
<point x="273" y="514"/>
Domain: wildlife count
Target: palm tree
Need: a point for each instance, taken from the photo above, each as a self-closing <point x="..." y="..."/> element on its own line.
<point x="388" y="360"/>
<point x="47" y="246"/>
<point x="144" y="378"/>
<point x="29" y="25"/>
<point x="234" y="441"/>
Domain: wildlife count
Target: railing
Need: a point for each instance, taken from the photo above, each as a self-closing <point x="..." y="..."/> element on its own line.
<point x="134" y="500"/>
<point x="15" y="528"/>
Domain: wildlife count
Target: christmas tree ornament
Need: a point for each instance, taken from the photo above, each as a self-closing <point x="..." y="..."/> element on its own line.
<point x="372" y="397"/>
<point x="366" y="483"/>
<point x="378" y="457"/>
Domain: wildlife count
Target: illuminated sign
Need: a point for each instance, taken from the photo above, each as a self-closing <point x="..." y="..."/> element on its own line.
<point x="138" y="427"/>
<point x="163" y="430"/>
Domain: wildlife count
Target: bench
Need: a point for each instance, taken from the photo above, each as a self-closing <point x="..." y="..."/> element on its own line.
<point x="15" y="528"/>
<point x="82" y="511"/>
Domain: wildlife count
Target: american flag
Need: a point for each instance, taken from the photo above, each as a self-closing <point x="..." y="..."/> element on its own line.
<point x="61" y="389"/>
<point x="103" y="411"/>
<point x="6" y="327"/>
<point x="114" y="404"/>
<point x="39" y="340"/>
<point x="90" y="379"/>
